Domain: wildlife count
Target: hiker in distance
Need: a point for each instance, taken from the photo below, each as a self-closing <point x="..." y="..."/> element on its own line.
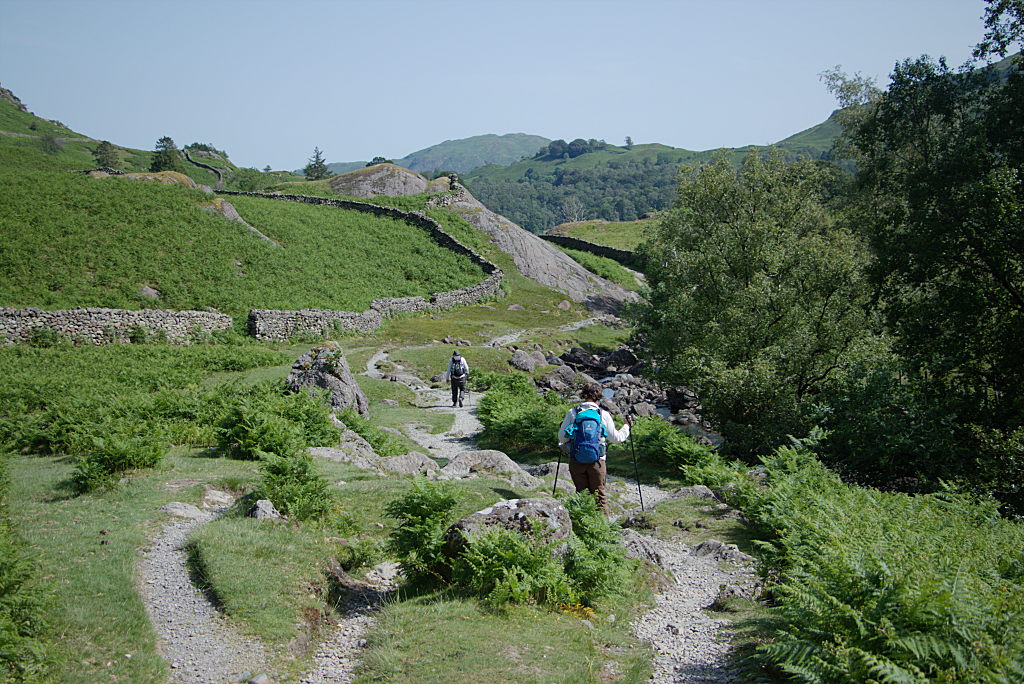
<point x="584" y="434"/>
<point x="458" y="374"/>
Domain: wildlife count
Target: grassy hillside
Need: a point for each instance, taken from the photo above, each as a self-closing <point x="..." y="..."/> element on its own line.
<point x="463" y="155"/>
<point x="616" y="234"/>
<point x="69" y="240"/>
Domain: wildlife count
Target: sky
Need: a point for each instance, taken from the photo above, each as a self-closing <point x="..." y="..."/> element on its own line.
<point x="269" y="81"/>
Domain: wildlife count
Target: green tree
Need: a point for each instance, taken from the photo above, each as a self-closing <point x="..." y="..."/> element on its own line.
<point x="378" y="160"/>
<point x="317" y="167"/>
<point x="757" y="297"/>
<point x="167" y="157"/>
<point x="106" y="156"/>
<point x="940" y="197"/>
<point x="629" y="143"/>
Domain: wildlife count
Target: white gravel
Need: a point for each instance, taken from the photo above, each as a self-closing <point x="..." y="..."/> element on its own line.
<point x="194" y="638"/>
<point x="690" y="645"/>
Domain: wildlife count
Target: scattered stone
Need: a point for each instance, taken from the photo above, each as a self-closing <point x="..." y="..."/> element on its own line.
<point x="491" y="462"/>
<point x="389" y="402"/>
<point x="565" y="305"/>
<point x="638" y="546"/>
<point x="149" y="292"/>
<point x="515" y="307"/>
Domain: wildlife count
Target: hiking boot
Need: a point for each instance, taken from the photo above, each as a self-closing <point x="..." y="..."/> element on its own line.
<point x="453" y="404"/>
<point x="460" y="403"/>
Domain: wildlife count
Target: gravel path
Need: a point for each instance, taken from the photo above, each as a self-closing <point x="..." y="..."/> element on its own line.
<point x="193" y="637"/>
<point x="690" y="645"/>
<point x="201" y="646"/>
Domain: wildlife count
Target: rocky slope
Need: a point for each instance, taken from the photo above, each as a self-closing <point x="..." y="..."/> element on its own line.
<point x="533" y="257"/>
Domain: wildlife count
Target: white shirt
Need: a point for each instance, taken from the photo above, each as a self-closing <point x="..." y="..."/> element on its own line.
<point x="453" y="367"/>
<point x="611" y="433"/>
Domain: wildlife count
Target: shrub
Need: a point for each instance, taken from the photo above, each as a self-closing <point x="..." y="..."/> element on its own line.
<point x="424" y="514"/>
<point x="661" y="441"/>
<point x="502" y="566"/>
<point x="294" y="486"/>
<point x="888" y="587"/>
<point x="264" y="420"/>
<point x="596" y="562"/>
<point x="116" y="454"/>
<point x="522" y="419"/>
<point x="45" y="338"/>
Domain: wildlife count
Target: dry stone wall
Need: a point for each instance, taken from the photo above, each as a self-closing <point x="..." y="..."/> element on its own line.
<point x="103" y="326"/>
<point x="625" y="257"/>
<point x="278" y="325"/>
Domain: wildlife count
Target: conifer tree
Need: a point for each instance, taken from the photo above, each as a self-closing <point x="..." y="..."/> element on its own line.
<point x="167" y="157"/>
<point x="106" y="156"/>
<point x="317" y="167"/>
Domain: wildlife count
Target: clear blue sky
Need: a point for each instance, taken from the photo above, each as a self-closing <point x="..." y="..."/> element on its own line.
<point x="268" y="81"/>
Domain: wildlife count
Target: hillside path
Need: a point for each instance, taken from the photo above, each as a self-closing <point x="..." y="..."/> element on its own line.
<point x="690" y="646"/>
<point x="195" y="639"/>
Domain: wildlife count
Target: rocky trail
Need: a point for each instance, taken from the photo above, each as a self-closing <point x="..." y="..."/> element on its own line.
<point x="689" y="645"/>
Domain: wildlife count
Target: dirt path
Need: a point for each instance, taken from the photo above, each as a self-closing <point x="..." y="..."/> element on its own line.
<point x="194" y="638"/>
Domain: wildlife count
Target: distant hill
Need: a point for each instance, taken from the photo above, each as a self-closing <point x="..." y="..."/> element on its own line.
<point x="463" y="155"/>
<point x="613" y="183"/>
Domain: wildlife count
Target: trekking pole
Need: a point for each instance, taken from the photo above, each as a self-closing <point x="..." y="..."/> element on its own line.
<point x="558" y="466"/>
<point x="636" y="472"/>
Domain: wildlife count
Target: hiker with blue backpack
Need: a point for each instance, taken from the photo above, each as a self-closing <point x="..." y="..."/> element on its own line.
<point x="585" y="433"/>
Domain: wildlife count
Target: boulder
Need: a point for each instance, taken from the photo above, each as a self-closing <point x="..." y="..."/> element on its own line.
<point x="490" y="462"/>
<point x="264" y="510"/>
<point x="523" y="361"/>
<point x="412" y="463"/>
<point x="539" y="358"/>
<point x="325" y="367"/>
<point x="695" y="492"/>
<point x="352" y="449"/>
<point x="515" y="307"/>
<point x="182" y="510"/>
<point x="565" y="305"/>
<point x="720" y="551"/>
<point x="513" y="514"/>
<point x="641" y="547"/>
<point x="149" y="292"/>
<point x="214" y="498"/>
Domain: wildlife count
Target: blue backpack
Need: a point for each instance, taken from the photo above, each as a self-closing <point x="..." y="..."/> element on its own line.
<point x="586" y="433"/>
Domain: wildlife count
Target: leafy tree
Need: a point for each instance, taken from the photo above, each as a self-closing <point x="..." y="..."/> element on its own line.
<point x="106" y="156"/>
<point x="317" y="166"/>
<point x="1004" y="21"/>
<point x="266" y="169"/>
<point x="167" y="157"/>
<point x="940" y="197"/>
<point x="757" y="297"/>
<point x="378" y="160"/>
<point x="629" y="143"/>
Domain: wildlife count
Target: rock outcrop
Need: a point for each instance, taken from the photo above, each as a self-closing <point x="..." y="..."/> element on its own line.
<point x="540" y="261"/>
<point x="518" y="515"/>
<point x="325" y="367"/>
<point x="535" y="258"/>
<point x="379" y="179"/>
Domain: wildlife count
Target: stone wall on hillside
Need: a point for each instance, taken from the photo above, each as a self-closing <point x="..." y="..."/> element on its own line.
<point x="277" y="325"/>
<point x="625" y="257"/>
<point x="103" y="326"/>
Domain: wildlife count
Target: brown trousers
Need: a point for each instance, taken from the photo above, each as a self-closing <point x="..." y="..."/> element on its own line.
<point x="590" y="477"/>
